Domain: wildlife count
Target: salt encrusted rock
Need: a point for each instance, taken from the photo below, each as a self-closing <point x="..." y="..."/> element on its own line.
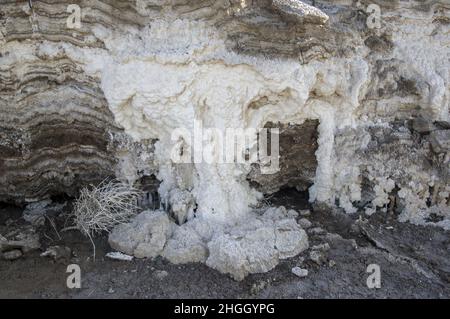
<point x="290" y="238"/>
<point x="144" y="237"/>
<point x="301" y="11"/>
<point x="181" y="205"/>
<point x="239" y="256"/>
<point x="185" y="246"/>
<point x="256" y="247"/>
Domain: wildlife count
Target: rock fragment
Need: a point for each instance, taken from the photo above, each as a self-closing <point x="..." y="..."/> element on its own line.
<point x="317" y="256"/>
<point x="257" y="246"/>
<point x="304" y="223"/>
<point x="144" y="237"/>
<point x="24" y="239"/>
<point x="58" y="253"/>
<point x="300" y="11"/>
<point x="305" y="212"/>
<point x="116" y="255"/>
<point x="299" y="272"/>
<point x="12" y="254"/>
<point x="290" y="239"/>
<point x="185" y="246"/>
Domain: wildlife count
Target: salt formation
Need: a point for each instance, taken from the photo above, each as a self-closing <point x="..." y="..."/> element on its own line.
<point x="370" y="103"/>
<point x="255" y="246"/>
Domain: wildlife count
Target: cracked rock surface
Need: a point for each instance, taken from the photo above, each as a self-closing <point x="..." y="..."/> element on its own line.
<point x="255" y="246"/>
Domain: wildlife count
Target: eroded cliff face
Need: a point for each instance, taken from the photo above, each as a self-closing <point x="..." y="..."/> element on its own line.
<point x="365" y="108"/>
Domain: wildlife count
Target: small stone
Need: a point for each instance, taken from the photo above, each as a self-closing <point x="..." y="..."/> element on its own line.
<point x="331" y="263"/>
<point x="58" y="253"/>
<point x="300" y="11"/>
<point x="12" y="254"/>
<point x="160" y="274"/>
<point x="317" y="231"/>
<point x="304" y="223"/>
<point x="111" y="290"/>
<point x="305" y="212"/>
<point x="317" y="256"/>
<point x="299" y="272"/>
<point x="116" y="255"/>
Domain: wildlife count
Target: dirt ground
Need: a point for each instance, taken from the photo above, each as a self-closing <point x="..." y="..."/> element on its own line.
<point x="414" y="263"/>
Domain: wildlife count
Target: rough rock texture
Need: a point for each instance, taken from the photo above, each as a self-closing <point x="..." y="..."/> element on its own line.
<point x="255" y="246"/>
<point x="298" y="163"/>
<point x="372" y="103"/>
<point x="144" y="237"/>
<point x="19" y="242"/>
<point x="300" y="11"/>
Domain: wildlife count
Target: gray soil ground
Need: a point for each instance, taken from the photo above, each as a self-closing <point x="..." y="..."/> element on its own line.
<point x="414" y="262"/>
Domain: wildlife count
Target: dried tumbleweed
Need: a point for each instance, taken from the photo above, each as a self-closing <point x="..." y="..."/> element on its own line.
<point x="100" y="208"/>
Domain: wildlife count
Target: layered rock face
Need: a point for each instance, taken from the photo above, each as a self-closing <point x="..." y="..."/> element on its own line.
<point x="360" y="89"/>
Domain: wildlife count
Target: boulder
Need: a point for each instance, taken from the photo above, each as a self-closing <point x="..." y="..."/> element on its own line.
<point x="144" y="237"/>
<point x="185" y="246"/>
<point x="256" y="246"/>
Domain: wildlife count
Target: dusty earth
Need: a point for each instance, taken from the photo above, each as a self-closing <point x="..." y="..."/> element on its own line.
<point x="414" y="262"/>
